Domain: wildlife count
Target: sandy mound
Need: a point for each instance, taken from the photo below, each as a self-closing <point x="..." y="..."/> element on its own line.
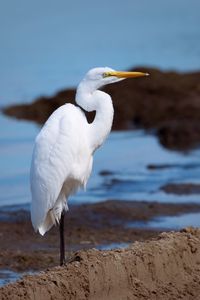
<point x="166" y="268"/>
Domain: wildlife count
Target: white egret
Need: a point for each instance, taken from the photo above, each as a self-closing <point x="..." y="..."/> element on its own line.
<point x="63" y="152"/>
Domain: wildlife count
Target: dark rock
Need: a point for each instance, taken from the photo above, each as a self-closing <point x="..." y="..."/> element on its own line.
<point x="166" y="101"/>
<point x="106" y="173"/>
<point x="179" y="134"/>
<point x="181" y="188"/>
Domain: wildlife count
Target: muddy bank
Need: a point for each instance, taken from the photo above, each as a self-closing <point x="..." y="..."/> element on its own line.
<point x="165" y="268"/>
<point x="87" y="226"/>
<point x="167" y="102"/>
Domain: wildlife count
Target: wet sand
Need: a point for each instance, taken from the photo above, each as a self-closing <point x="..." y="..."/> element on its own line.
<point x="86" y="226"/>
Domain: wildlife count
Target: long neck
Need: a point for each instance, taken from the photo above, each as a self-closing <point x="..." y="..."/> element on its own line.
<point x="91" y="99"/>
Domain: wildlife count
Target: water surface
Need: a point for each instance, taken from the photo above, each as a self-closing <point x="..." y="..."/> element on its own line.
<point x="126" y="155"/>
<point x="49" y="45"/>
<point x="169" y="222"/>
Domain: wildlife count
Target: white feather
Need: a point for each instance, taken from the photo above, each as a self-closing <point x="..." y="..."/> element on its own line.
<point x="63" y="153"/>
<point x="61" y="163"/>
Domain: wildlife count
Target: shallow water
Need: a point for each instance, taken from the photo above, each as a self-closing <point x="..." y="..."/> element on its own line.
<point x="177" y="222"/>
<point x="126" y="155"/>
<point x="142" y="33"/>
<point x="170" y="222"/>
<point x="113" y="246"/>
<point x="16" y="144"/>
<point x="8" y="276"/>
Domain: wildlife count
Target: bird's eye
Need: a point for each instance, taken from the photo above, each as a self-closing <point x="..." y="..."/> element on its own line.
<point x="105" y="74"/>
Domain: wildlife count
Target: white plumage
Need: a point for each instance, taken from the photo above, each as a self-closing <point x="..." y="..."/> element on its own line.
<point x="62" y="161"/>
<point x="63" y="152"/>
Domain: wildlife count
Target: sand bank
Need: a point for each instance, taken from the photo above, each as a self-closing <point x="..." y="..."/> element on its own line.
<point x="165" y="268"/>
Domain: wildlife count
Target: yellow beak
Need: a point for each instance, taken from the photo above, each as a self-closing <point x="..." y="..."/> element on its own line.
<point x="120" y="74"/>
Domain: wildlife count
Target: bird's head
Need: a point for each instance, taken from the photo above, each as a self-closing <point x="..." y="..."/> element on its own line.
<point x="99" y="77"/>
<point x="95" y="79"/>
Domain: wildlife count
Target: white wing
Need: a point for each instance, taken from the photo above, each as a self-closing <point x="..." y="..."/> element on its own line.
<point x="61" y="161"/>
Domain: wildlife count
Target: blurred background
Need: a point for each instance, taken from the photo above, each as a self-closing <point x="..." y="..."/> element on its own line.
<point x="47" y="46"/>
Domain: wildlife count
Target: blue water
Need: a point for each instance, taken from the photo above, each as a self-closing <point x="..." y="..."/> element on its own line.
<point x="16" y="144"/>
<point x="125" y="154"/>
<point x="176" y="222"/>
<point x="113" y="246"/>
<point x="169" y="222"/>
<point x="47" y="45"/>
<point x="7" y="276"/>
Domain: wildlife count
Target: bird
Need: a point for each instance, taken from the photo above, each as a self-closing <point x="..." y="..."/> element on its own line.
<point x="63" y="152"/>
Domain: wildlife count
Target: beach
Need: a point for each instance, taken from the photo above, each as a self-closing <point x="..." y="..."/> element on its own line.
<point x="166" y="267"/>
<point x="100" y="227"/>
<point x="133" y="233"/>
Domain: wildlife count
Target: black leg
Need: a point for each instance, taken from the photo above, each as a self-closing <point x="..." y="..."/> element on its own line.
<point x="62" y="240"/>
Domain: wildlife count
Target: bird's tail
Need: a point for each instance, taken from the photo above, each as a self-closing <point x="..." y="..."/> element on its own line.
<point x="49" y="221"/>
<point x="53" y="216"/>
